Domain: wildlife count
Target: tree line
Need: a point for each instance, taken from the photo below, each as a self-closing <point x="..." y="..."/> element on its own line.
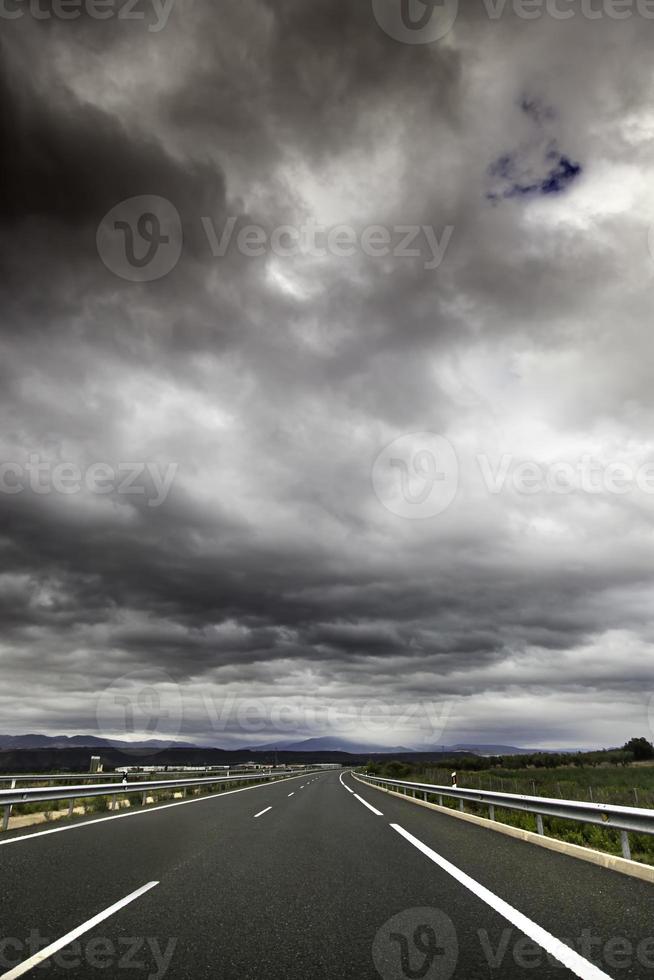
<point x="635" y="750"/>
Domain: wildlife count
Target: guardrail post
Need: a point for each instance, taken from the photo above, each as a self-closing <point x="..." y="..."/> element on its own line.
<point x="440" y="800"/>
<point x="8" y="809"/>
<point x="71" y="808"/>
<point x="626" y="849"/>
<point x="491" y="811"/>
<point x="461" y="807"/>
<point x="539" y="825"/>
<point x="144" y="797"/>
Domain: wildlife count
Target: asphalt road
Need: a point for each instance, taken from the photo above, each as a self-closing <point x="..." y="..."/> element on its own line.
<point x="258" y="883"/>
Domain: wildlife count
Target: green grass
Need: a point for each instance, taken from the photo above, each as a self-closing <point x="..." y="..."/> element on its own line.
<point x="624" y="785"/>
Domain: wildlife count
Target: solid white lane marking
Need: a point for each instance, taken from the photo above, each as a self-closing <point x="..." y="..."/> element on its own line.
<point x="370" y="807"/>
<point x="70" y="937"/>
<point x="260" y="814"/>
<point x="135" y="813"/>
<point x="568" y="957"/>
<point x="344" y="785"/>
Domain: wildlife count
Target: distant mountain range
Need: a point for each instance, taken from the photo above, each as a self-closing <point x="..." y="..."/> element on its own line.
<point x="332" y="743"/>
<point x="326" y="743"/>
<point x="84" y="741"/>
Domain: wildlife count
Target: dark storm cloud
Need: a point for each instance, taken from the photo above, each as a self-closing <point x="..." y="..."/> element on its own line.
<point x="271" y="571"/>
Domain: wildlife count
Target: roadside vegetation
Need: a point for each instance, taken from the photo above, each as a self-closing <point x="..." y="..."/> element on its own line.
<point x="620" y="776"/>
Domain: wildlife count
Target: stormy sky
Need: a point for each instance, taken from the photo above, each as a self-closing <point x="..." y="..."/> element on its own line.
<point x="325" y="361"/>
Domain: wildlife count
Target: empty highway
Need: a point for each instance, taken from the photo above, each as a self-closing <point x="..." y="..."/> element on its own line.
<point x="319" y="876"/>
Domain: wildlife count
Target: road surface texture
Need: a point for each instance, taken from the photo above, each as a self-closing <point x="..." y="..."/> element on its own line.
<point x="318" y="876"/>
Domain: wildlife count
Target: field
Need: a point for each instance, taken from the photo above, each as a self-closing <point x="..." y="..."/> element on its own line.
<point x="626" y="785"/>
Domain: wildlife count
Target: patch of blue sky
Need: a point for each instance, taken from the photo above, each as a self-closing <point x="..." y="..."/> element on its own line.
<point x="538" y="167"/>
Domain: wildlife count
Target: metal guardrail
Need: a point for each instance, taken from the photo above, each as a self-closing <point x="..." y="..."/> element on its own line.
<point x="621" y="818"/>
<point x="58" y="777"/>
<point x="40" y="794"/>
